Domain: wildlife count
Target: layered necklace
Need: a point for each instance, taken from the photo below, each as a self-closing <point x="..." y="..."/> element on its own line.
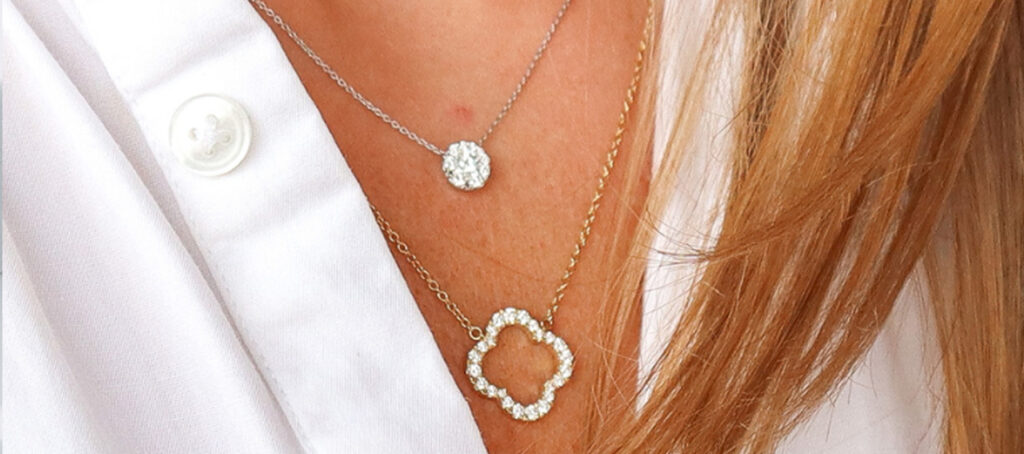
<point x="465" y="163"/>
<point x="540" y="331"/>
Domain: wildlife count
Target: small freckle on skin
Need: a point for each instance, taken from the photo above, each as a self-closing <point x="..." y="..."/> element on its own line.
<point x="462" y="113"/>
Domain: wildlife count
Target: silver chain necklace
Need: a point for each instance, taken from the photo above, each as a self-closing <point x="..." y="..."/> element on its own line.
<point x="465" y="163"/>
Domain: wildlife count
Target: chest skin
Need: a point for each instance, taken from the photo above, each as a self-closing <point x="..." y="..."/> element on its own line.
<point x="444" y="69"/>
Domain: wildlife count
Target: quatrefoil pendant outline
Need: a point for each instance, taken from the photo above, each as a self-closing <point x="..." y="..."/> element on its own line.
<point x="511" y="316"/>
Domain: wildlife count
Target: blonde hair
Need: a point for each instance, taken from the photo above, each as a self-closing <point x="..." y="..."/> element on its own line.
<point x="870" y="137"/>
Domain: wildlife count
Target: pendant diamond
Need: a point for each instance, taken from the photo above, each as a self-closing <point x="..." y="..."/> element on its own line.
<point x="500" y="320"/>
<point x="466" y="165"/>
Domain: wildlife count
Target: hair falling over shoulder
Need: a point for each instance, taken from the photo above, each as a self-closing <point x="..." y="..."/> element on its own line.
<point x="870" y="138"/>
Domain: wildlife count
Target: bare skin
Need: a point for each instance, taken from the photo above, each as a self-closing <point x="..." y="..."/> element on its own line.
<point x="444" y="68"/>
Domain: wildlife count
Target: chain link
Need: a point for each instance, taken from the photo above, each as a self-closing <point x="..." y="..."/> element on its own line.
<point x="388" y="119"/>
<point x="529" y="71"/>
<point x="475" y="332"/>
<point x="394" y="238"/>
<point x="606" y="170"/>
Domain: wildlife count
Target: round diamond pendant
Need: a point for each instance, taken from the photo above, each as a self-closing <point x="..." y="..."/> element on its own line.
<point x="466" y="165"/>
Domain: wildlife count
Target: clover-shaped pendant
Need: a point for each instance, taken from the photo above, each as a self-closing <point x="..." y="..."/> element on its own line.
<point x="514" y="316"/>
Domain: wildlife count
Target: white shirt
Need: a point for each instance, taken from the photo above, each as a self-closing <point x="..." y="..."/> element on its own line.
<point x="150" y="309"/>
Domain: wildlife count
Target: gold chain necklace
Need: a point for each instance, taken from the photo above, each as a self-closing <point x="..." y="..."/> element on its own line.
<point x="540" y="331"/>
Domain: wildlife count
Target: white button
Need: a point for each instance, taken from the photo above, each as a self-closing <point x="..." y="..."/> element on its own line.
<point x="210" y="134"/>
